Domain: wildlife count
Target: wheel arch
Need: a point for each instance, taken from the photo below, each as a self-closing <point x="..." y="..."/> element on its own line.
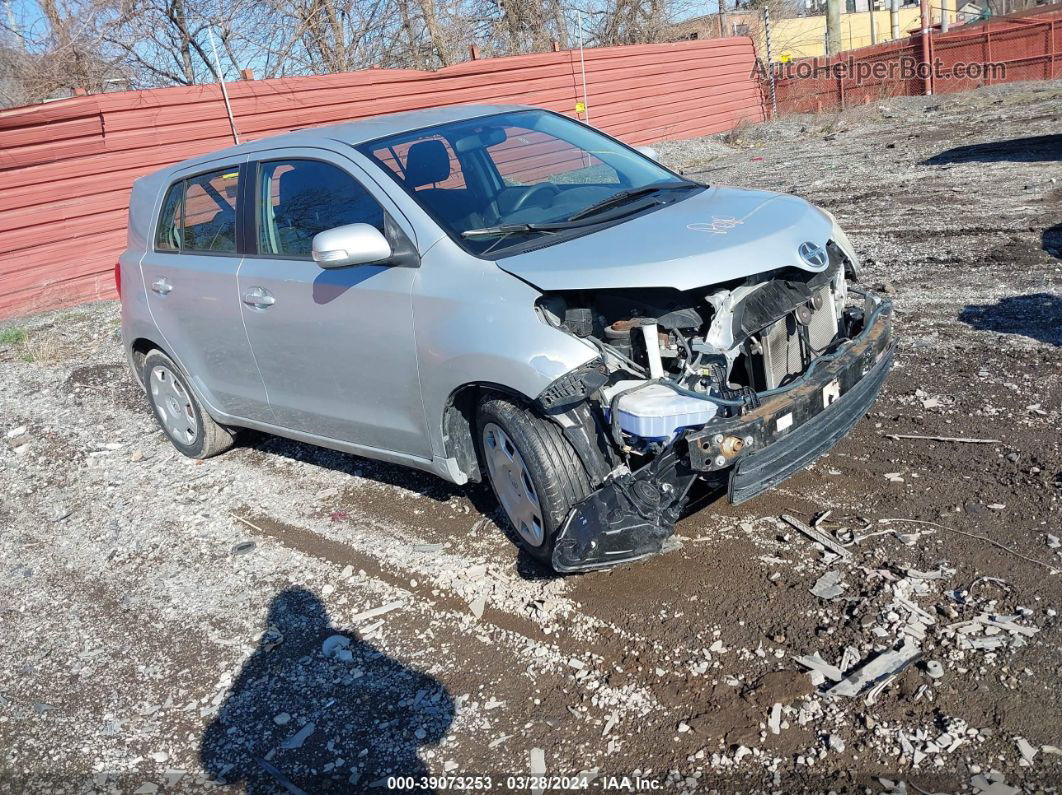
<point x="139" y="348"/>
<point x="459" y="423"/>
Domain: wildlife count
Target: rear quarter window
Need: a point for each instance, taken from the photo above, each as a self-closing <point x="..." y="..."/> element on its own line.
<point x="199" y="214"/>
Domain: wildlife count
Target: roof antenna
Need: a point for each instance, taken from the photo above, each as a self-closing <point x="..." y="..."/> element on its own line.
<point x="221" y="82"/>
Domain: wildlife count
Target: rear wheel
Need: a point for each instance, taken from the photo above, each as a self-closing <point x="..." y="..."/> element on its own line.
<point x="536" y="475"/>
<point x="191" y="430"/>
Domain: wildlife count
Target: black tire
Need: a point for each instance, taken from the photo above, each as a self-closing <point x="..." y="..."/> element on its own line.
<point x="555" y="470"/>
<point x="182" y="418"/>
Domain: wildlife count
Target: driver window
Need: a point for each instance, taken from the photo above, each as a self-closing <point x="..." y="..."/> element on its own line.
<point x="299" y="198"/>
<point x="529" y="157"/>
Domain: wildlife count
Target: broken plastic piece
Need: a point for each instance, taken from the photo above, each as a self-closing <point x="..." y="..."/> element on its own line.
<point x="882" y="668"/>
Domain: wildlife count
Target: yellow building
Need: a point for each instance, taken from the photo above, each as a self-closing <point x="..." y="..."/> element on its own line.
<point x="805" y="37"/>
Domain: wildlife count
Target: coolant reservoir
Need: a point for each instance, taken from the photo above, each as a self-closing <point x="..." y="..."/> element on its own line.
<point x="657" y="411"/>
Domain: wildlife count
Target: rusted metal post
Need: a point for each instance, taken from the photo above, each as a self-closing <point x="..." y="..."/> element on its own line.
<point x="770" y="59"/>
<point x="473" y="52"/>
<point x="221" y="82"/>
<point x="988" y="53"/>
<point x="1051" y="38"/>
<point x="927" y="82"/>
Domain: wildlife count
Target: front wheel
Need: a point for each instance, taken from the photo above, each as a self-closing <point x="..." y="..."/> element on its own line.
<point x="534" y="471"/>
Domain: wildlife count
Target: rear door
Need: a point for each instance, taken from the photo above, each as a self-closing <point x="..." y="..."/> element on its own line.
<point x="190" y="276"/>
<point x="335" y="347"/>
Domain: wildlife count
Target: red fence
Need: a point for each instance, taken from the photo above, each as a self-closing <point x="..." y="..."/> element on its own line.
<point x="1024" y="46"/>
<point x="66" y="167"/>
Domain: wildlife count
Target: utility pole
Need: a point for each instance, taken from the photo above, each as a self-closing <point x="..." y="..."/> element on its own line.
<point x="873" y="26"/>
<point x="894" y="19"/>
<point x="722" y="14"/>
<point x="833" y="26"/>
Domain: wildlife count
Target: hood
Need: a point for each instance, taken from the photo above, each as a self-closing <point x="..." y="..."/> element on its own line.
<point x="715" y="236"/>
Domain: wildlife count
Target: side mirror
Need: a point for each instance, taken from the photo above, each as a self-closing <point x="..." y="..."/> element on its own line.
<point x="649" y="152"/>
<point x="353" y="244"/>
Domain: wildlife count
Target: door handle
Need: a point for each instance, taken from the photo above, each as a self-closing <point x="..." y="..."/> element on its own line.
<point x="259" y="297"/>
<point x="161" y="286"/>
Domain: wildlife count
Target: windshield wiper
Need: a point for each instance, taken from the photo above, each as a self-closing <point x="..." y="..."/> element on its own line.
<point x="632" y="193"/>
<point x="511" y="229"/>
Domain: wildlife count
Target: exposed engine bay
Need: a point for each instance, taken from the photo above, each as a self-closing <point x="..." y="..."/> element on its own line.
<point x="696" y="384"/>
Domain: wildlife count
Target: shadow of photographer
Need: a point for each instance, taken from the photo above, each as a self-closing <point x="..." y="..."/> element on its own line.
<point x="318" y="710"/>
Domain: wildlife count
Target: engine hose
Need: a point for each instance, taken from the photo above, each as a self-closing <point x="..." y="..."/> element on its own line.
<point x="604" y="347"/>
<point x="701" y="396"/>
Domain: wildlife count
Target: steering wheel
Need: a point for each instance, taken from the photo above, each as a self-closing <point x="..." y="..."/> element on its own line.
<point x="535" y="189"/>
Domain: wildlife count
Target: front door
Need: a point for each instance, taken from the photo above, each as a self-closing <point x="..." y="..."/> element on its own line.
<point x="335" y="347"/>
<point x="189" y="272"/>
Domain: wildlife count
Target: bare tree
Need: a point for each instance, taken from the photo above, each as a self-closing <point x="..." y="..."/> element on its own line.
<point x="140" y="43"/>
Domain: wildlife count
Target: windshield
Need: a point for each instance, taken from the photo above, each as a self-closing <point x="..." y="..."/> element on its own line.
<point x="504" y="181"/>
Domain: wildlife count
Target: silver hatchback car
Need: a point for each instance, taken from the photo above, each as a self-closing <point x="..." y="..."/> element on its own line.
<point x="501" y="292"/>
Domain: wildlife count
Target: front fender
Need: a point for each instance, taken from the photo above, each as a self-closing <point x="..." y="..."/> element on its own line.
<point x="476" y="324"/>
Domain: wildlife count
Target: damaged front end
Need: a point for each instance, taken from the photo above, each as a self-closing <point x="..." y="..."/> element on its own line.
<point x="741" y="384"/>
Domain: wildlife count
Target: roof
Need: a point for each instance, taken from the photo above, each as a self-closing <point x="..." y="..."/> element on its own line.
<point x="356" y="132"/>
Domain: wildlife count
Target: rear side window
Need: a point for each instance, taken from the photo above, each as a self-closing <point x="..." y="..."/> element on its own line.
<point x="299" y="198"/>
<point x="199" y="214"/>
<point x="168" y="234"/>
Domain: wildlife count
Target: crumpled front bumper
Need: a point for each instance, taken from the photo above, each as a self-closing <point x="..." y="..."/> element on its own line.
<point x="631" y="516"/>
<point x="791" y="429"/>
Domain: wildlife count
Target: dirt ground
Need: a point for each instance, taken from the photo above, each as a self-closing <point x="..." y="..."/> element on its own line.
<point x="284" y="618"/>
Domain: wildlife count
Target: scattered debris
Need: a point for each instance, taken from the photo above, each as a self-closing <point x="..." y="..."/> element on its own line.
<point x="243" y="547"/>
<point x="959" y="439"/>
<point x="1025" y="748"/>
<point x="817" y="536"/>
<point x="376" y="611"/>
<point x="816" y="663"/>
<point x="881" y="668"/>
<point x="774" y="723"/>
<point x="538" y="767"/>
<point x="830" y="585"/>
<point x="271" y="638"/>
<point x="1053" y="569"/>
<point x="296" y="740"/>
<point x="338" y="647"/>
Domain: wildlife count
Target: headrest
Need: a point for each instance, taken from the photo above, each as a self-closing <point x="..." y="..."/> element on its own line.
<point x="295" y="181"/>
<point x="428" y="162"/>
